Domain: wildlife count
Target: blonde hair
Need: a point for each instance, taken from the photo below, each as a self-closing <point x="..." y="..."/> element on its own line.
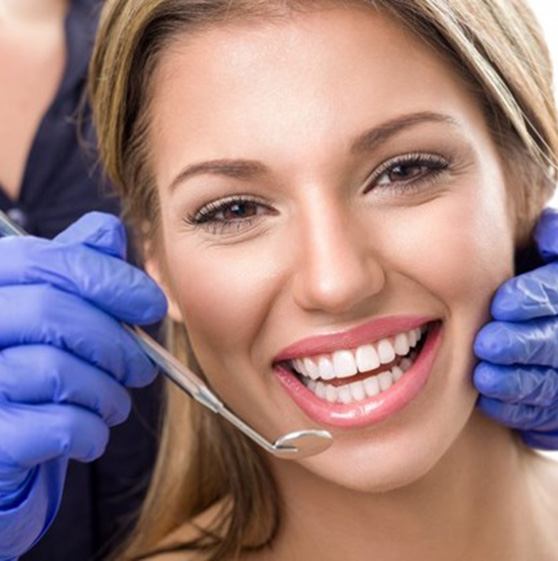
<point x="496" y="45"/>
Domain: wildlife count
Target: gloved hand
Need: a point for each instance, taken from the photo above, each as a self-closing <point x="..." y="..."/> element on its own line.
<point x="64" y="361"/>
<point x="519" y="373"/>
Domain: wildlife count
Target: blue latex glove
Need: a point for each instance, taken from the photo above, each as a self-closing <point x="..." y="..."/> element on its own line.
<point x="64" y="361"/>
<point x="519" y="373"/>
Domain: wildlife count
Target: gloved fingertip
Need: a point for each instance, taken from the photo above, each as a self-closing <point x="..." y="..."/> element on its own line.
<point x="506" y="302"/>
<point x="98" y="446"/>
<point x="121" y="414"/>
<point x="98" y="230"/>
<point x="144" y="378"/>
<point x="491" y="408"/>
<point x="110" y="238"/>
<point x="156" y="308"/>
<point x="489" y="342"/>
<point x="485" y="378"/>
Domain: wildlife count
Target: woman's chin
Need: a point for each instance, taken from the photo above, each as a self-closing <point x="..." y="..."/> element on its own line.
<point x="397" y="455"/>
<point x="375" y="468"/>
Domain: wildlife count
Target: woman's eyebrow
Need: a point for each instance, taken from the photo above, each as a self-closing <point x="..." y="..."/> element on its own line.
<point x="364" y="142"/>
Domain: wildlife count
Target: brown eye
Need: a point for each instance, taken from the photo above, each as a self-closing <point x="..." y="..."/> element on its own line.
<point x="403" y="172"/>
<point x="409" y="172"/>
<point x="239" y="210"/>
<point x="235" y="213"/>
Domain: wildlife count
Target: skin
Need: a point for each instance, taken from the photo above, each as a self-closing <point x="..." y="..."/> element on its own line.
<point x="30" y="74"/>
<point x="326" y="251"/>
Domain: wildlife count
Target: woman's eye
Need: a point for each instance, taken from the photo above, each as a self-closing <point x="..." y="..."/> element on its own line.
<point x="409" y="171"/>
<point x="402" y="172"/>
<point x="221" y="216"/>
<point x="238" y="210"/>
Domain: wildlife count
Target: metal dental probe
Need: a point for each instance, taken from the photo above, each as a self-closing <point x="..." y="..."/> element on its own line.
<point x="299" y="444"/>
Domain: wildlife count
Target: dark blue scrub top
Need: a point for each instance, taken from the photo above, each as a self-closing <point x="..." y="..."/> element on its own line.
<point x="60" y="183"/>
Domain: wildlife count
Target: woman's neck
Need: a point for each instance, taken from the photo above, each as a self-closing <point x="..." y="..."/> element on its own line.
<point x="478" y="502"/>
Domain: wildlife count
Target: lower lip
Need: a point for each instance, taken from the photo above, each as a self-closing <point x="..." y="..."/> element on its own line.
<point x="371" y="410"/>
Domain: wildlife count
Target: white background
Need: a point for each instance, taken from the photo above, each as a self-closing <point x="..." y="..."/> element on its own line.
<point x="547" y="14"/>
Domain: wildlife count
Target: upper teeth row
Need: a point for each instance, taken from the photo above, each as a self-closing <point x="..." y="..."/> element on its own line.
<point x="344" y="363"/>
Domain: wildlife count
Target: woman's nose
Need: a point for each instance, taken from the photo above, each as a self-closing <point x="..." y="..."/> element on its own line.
<point x="337" y="267"/>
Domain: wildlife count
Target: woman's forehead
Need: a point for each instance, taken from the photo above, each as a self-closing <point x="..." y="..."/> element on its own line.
<point x="315" y="79"/>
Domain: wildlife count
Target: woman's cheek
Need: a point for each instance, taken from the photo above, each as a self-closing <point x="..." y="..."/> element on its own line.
<point x="221" y="292"/>
<point x="458" y="247"/>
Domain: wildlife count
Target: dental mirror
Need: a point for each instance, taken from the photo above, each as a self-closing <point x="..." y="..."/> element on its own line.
<point x="296" y="444"/>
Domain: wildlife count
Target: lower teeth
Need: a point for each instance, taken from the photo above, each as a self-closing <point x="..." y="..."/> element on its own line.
<point x="358" y="391"/>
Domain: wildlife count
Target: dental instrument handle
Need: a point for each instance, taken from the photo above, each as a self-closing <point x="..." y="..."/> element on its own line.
<point x="192" y="384"/>
<point x="174" y="370"/>
<point x="8" y="227"/>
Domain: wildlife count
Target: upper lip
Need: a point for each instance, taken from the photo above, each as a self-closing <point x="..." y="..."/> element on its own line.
<point x="368" y="332"/>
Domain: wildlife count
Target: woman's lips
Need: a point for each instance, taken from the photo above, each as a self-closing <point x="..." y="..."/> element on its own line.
<point x="373" y="409"/>
<point x="374" y="330"/>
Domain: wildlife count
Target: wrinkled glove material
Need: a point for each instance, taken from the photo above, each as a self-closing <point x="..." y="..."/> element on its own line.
<point x="517" y="375"/>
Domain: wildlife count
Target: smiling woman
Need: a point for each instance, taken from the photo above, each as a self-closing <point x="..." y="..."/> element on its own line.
<point x="330" y="192"/>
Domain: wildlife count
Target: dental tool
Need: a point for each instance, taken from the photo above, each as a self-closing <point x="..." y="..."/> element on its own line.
<point x="296" y="444"/>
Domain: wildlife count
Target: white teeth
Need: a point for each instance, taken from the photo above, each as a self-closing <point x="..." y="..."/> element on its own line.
<point x="310" y="368"/>
<point x="344" y="394"/>
<point x="396" y="373"/>
<point x="385" y="380"/>
<point x="344" y="364"/>
<point x="414" y="336"/>
<point x="357" y="391"/>
<point x="320" y="390"/>
<point x="371" y="386"/>
<point x="385" y="351"/>
<point x="331" y="393"/>
<point x="326" y="368"/>
<point x="401" y="344"/>
<point x="367" y="358"/>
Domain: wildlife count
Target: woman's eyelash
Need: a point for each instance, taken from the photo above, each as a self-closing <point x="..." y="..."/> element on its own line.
<point x="244" y="209"/>
<point x="430" y="167"/>
<point x="208" y="215"/>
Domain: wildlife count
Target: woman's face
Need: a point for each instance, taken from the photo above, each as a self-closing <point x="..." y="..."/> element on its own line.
<point x="370" y="190"/>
